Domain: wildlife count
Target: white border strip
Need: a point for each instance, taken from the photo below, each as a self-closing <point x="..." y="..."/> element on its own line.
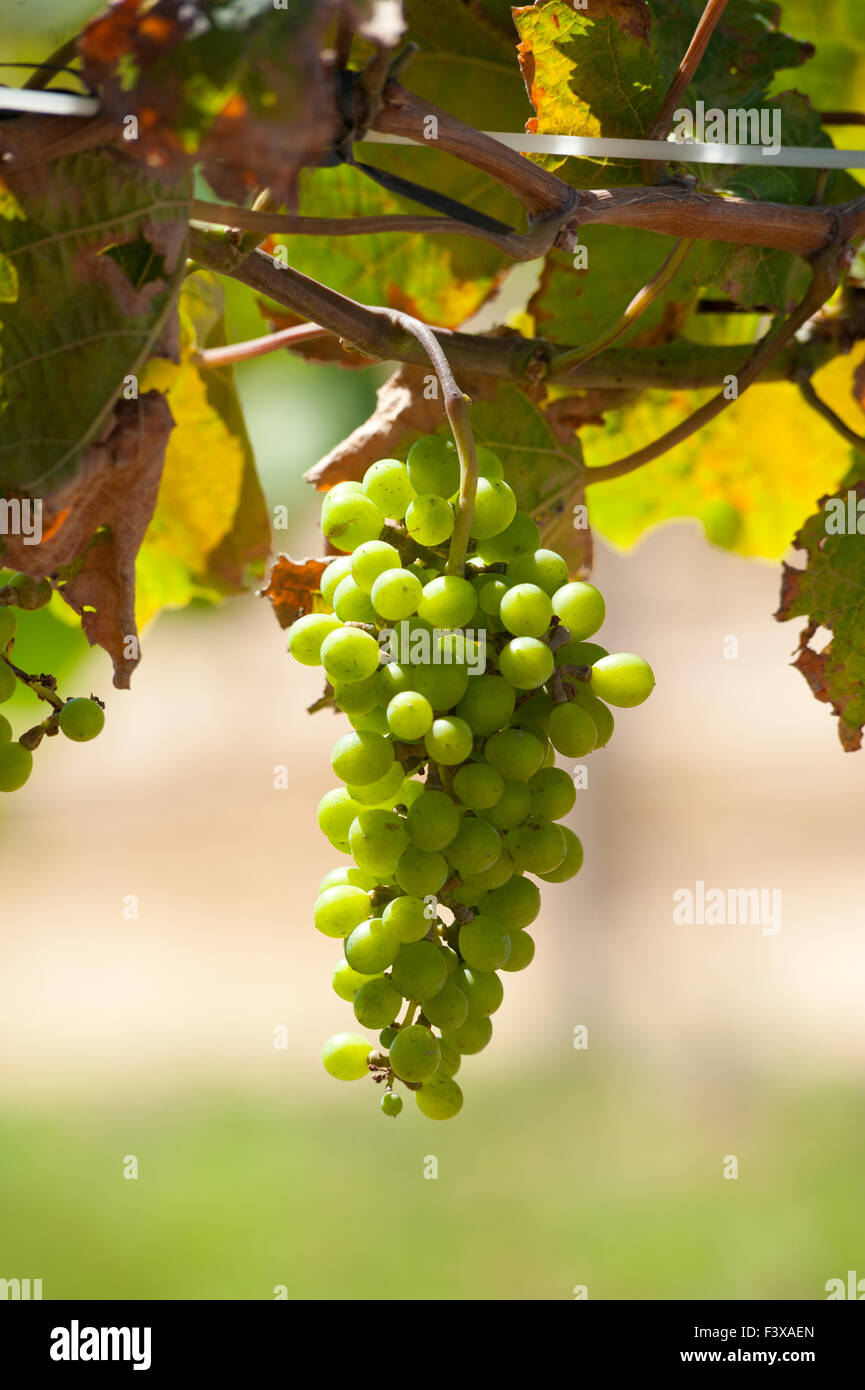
<point x="594" y="147"/>
<point x="47" y="103"/>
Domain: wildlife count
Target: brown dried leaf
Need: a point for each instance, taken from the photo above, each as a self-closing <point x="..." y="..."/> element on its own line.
<point x="292" y="587"/>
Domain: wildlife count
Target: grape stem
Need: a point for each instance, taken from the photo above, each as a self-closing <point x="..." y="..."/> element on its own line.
<point x="44" y="687"/>
<point x="456" y="404"/>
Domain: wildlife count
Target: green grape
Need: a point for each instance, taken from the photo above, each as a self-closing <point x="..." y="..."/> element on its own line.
<point x="336" y="811"/>
<point x="495" y="509"/>
<point x="333" y="576"/>
<point x="350" y="519"/>
<point x="376" y="840"/>
<point x="345" y="1056"/>
<point x="16" y="764"/>
<point x="358" y="697"/>
<point x="406" y="917"/>
<point x="339" y="910"/>
<point x="372" y="559"/>
<point x="489" y="464"/>
<point x="8" y="623"/>
<point x="471" y="1036"/>
<point x="449" y="741"/>
<point x="549" y="756"/>
<point x="520" y="537"/>
<point x="371" y="947"/>
<point x="622" y="679"/>
<point x="347" y="982"/>
<point x="526" y="663"/>
<point x="580" y="607"/>
<point x="602" y="717"/>
<point x="484" y="942"/>
<point x="409" y="716"/>
<point x="350" y="487"/>
<point x="419" y="970"/>
<point x="349" y="654"/>
<point x="377" y="1003"/>
<point x="386" y="483"/>
<point x="475" y="847"/>
<point x="516" y="753"/>
<point x="579" y="654"/>
<point x="553" y="793"/>
<point x="414" y="1053"/>
<point x="469" y="894"/>
<point x="361" y="758"/>
<point x="336" y="878"/>
<point x="306" y="635"/>
<point x="572" y="862"/>
<point x="443" y="686"/>
<point x="386" y="1036"/>
<point x="483" y="990"/>
<point x="451" y="1059"/>
<point x="447" y="601"/>
<point x="433" y="466"/>
<point x="538" y="845"/>
<point x="526" y="610"/>
<point x="429" y="520"/>
<point x="433" y="820"/>
<point x="542" y="567"/>
<point x="478" y="785"/>
<point x="421" y="874"/>
<point x="487" y="705"/>
<point x="497" y="874"/>
<point x="387" y="788"/>
<point x="573" y="731"/>
<point x="534" y="713"/>
<point x="516" y="905"/>
<point x="7" y="681"/>
<point x="411" y="790"/>
<point x="522" y="951"/>
<point x="447" y="1009"/>
<point x="490" y="594"/>
<point x="396" y="594"/>
<point x="5" y="729"/>
<point x="512" y="806"/>
<point x="440" y="1098"/>
<point x="375" y="722"/>
<point x="32" y="593"/>
<point x="351" y="604"/>
<point x="391" y="1104"/>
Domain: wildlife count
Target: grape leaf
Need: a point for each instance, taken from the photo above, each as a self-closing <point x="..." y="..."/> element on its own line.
<point x="293" y="588"/>
<point x="830" y="592"/>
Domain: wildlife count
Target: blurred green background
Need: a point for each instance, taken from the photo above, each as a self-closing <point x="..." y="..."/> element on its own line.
<point x="602" y="1167"/>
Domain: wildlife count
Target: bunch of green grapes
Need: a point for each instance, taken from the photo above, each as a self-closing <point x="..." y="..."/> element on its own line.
<point x="79" y="719"/>
<point x="450" y="800"/>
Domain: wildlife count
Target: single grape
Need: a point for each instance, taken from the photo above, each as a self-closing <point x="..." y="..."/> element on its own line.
<point x="32" y="593"/>
<point x="358" y="697"/>
<point x="579" y="654"/>
<point x="8" y="623"/>
<point x="433" y="466"/>
<point x="339" y="910"/>
<point x="7" y="680"/>
<point x="472" y="1036"/>
<point x="333" y="576"/>
<point x="449" y="741"/>
<point x="5" y="729"/>
<point x="483" y="990"/>
<point x="361" y="758"/>
<point x="386" y="483"/>
<point x="495" y="508"/>
<point x="377" y="840"/>
<point x="542" y="567"/>
<point x="622" y="679"/>
<point x="451" y="959"/>
<point x="580" y="607"/>
<point x="16" y="764"/>
<point x="572" y="862"/>
<point x="406" y="917"/>
<point x="419" y="971"/>
<point x="350" y="519"/>
<point x="573" y="731"/>
<point x="490" y="592"/>
<point x="391" y="1104"/>
<point x="516" y="753"/>
<point x="512" y="806"/>
<point x="516" y="905"/>
<point x="478" y="785"/>
<point x="346" y="982"/>
<point x="411" y="790"/>
<point x="351" y="604"/>
<point x="429" y="520"/>
<point x="553" y="793"/>
<point x="409" y="716"/>
<point x="526" y="663"/>
<point x="538" y="845"/>
<point x="448" y="1008"/>
<point x="522" y="951"/>
<point x="374" y="722"/>
<point x="371" y="947"/>
<point x="475" y="847"/>
<point x="433" y="820"/>
<point x="602" y="717"/>
<point x="414" y="1053"/>
<point x="337" y="878"/>
<point x="468" y="894"/>
<point x="451" y="1059"/>
<point x="336" y="811"/>
<point x="440" y="1098"/>
<point x="387" y="1035"/>
<point x="396" y="594"/>
<point x="420" y="873"/>
<point x="371" y="560"/>
<point x="489" y="464"/>
<point x="533" y="713"/>
<point x="386" y="788"/>
<point x="484" y="942"/>
<point x="306" y="635"/>
<point x="447" y="601"/>
<point x="345" y="1056"/>
<point x="377" y="1003"/>
<point x="497" y="874"/>
<point x="349" y="654"/>
<point x="521" y="536"/>
<point x="526" y="610"/>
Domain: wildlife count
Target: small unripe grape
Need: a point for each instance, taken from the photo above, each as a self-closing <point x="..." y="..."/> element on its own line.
<point x="484" y="942"/>
<point x="478" y="785"/>
<point x="333" y="576"/>
<point x="350" y="519"/>
<point x="573" y="731"/>
<point x="526" y="610"/>
<point x="396" y="594"/>
<point x="8" y="623"/>
<point x="361" y="758"/>
<point x="336" y="812"/>
<point x="7" y="682"/>
<point x="433" y="466"/>
<point x="414" y="1053"/>
<point x="542" y="567"/>
<point x="387" y="484"/>
<point x="349" y="654"/>
<point x="387" y="1035"/>
<point x="371" y="947"/>
<point x="580" y="607"/>
<point x="340" y="909"/>
<point x="447" y="1009"/>
<point x="487" y="705"/>
<point x="472" y="1036"/>
<point x="522" y="951"/>
<point x="482" y="988"/>
<point x="447" y="602"/>
<point x="537" y="846"/>
<point x="345" y="1056"/>
<point x="377" y="1003"/>
<point x="306" y="635"/>
<point x="602" y="717"/>
<point x="495" y="509"/>
<point x="81" y="720"/>
<point x="622" y="679"/>
<point x="429" y="520"/>
<point x="572" y="862"/>
<point x="406" y="917"/>
<point x="32" y="593"/>
<point x="516" y="905"/>
<point x="5" y="729"/>
<point x="440" y="1098"/>
<point x="516" y="753"/>
<point x="409" y="716"/>
<point x="16" y="764"/>
<point x="346" y="982"/>
<point x="449" y="741"/>
<point x="579" y="654"/>
<point x="337" y="878"/>
<point x="451" y="1059"/>
<point x="489" y="464"/>
<point x="520" y="537"/>
<point x="512" y="806"/>
<point x="433" y="820"/>
<point x="386" y="788"/>
<point x="377" y="840"/>
<point x="420" y="873"/>
<point x="475" y="847"/>
<point x="351" y="604"/>
<point x="526" y="663"/>
<point x="419" y="970"/>
<point x="391" y="1104"/>
<point x="490" y="595"/>
<point x="553" y="793"/>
